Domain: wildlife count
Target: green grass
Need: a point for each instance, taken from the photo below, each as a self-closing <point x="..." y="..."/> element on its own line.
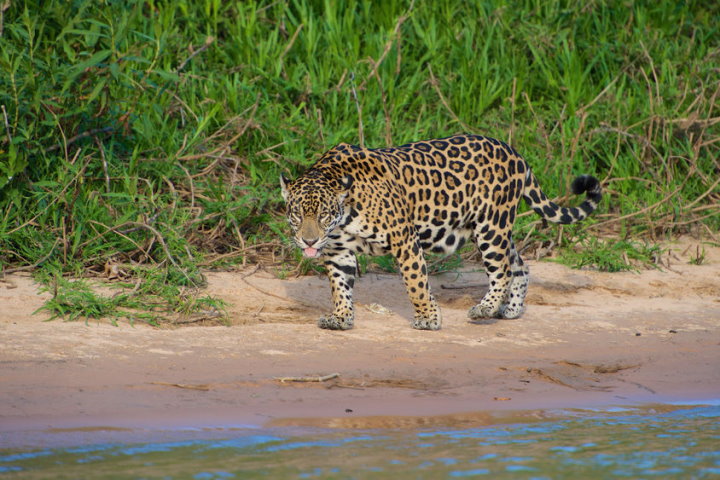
<point x="151" y="135"/>
<point x="611" y="255"/>
<point x="149" y="299"/>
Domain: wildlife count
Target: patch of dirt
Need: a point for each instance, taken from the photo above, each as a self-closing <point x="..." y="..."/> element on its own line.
<point x="587" y="338"/>
<point x="581" y="377"/>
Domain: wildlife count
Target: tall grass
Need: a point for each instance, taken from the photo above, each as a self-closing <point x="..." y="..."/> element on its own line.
<point x="152" y="133"/>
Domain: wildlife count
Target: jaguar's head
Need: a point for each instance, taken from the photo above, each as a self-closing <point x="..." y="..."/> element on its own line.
<point x="314" y="208"/>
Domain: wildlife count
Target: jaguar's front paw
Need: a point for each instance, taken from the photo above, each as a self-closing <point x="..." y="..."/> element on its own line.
<point x="482" y="310"/>
<point x="333" y="322"/>
<point x="427" y="323"/>
<point x="511" y="311"/>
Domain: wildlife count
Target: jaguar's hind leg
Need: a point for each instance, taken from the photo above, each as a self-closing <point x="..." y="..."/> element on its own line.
<point x="513" y="305"/>
<point x="494" y="245"/>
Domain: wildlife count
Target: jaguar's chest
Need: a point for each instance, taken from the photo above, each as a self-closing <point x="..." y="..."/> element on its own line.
<point x="358" y="224"/>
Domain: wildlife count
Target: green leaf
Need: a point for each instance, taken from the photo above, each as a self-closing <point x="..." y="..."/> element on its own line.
<point x="96" y="91"/>
<point x="93" y="61"/>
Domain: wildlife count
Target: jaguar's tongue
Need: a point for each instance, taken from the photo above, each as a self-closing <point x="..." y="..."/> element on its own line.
<point x="310" y="252"/>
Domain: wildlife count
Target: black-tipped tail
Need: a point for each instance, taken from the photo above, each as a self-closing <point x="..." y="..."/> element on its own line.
<point x="552" y="212"/>
<point x="587" y="184"/>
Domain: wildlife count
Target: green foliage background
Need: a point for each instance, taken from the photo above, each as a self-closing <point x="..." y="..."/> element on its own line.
<point x="152" y="133"/>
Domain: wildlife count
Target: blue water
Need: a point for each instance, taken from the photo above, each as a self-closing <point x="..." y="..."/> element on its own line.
<point x="682" y="442"/>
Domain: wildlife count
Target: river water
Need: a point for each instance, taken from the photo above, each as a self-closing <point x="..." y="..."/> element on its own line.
<point x="659" y="441"/>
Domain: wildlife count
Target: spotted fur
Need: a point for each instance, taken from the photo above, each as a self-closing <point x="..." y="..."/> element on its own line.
<point x="424" y="196"/>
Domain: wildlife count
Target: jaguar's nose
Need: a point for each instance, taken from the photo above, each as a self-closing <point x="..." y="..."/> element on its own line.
<point x="310" y="241"/>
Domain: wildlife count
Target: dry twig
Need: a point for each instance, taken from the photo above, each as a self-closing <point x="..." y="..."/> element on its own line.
<point x="288" y="47"/>
<point x="641" y="211"/>
<point x="361" y="129"/>
<point x="324" y="378"/>
<point x="36" y="264"/>
<point x="81" y="172"/>
<point x="208" y="41"/>
<point x="436" y="85"/>
<point x="3" y="7"/>
<point x="80" y="136"/>
<point x="388" y="44"/>
<point x="201" y="387"/>
<point x="7" y="124"/>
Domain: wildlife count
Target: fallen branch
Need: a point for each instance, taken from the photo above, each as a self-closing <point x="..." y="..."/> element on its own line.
<point x="308" y="379"/>
<point x="34" y="265"/>
<point x="202" y="388"/>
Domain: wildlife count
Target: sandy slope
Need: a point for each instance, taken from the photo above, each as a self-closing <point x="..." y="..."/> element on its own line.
<point x="586" y="339"/>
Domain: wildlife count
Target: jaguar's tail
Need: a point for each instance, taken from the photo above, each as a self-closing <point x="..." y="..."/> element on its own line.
<point x="552" y="212"/>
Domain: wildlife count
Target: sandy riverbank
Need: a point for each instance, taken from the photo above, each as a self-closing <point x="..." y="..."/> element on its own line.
<point x="587" y="339"/>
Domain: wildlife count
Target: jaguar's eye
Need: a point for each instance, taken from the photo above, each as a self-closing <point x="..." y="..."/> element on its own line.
<point x="294" y="216"/>
<point x="324" y="219"/>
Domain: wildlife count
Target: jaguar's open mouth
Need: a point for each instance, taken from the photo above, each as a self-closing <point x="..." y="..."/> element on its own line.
<point x="311" y="252"/>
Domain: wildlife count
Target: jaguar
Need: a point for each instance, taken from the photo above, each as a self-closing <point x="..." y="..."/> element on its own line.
<point x="424" y="196"/>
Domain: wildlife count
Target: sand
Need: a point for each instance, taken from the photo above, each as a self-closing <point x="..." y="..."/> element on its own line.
<point x="587" y="339"/>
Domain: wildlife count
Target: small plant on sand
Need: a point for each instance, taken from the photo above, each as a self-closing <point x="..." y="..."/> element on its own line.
<point x="611" y="255"/>
<point x="444" y="263"/>
<point x="699" y="257"/>
<point x="152" y="299"/>
<point x="75" y="299"/>
<point x="386" y="263"/>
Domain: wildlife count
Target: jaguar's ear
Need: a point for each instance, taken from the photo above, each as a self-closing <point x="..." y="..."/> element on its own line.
<point x="284" y="182"/>
<point x="346" y="183"/>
